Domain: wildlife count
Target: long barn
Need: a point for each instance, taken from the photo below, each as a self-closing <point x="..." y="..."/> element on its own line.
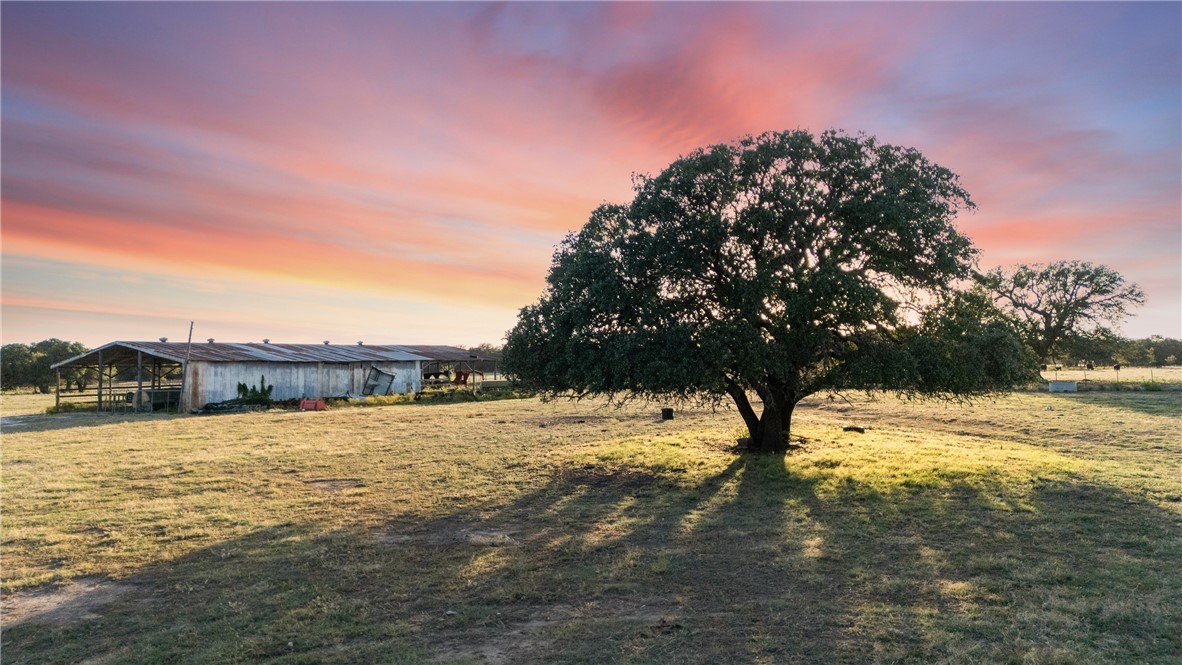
<point x="171" y="374"/>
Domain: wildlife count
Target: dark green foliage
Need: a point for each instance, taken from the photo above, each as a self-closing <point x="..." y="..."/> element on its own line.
<point x="488" y="349"/>
<point x="1065" y="304"/>
<point x="260" y="394"/>
<point x="24" y="365"/>
<point x="1107" y="349"/>
<point x="16" y="366"/>
<point x="1099" y="348"/>
<point x="962" y="347"/>
<point x="71" y="407"/>
<point x="782" y="265"/>
<point x="1158" y="350"/>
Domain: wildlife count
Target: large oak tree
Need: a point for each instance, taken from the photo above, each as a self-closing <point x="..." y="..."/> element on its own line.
<point x="781" y="265"/>
<point x="1053" y="304"/>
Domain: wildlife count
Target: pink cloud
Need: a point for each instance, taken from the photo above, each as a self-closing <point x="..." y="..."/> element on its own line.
<point x="35" y="230"/>
<point x="313" y="142"/>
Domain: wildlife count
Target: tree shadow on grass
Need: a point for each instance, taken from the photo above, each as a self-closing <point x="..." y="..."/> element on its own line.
<point x="640" y="565"/>
<point x="292" y="593"/>
<point x="1150" y="403"/>
<point x="83" y="419"/>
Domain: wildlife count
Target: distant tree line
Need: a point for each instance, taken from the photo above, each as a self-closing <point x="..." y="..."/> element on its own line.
<point x="1150" y="351"/>
<point x="30" y="365"/>
<point x="487" y="349"/>
<point x="1067" y="312"/>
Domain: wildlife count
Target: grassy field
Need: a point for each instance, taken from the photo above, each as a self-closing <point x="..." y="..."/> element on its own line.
<point x="24" y="403"/>
<point x="1035" y="529"/>
<point x="1168" y="376"/>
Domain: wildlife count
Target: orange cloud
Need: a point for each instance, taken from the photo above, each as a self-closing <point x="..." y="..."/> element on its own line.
<point x="36" y="230"/>
<point x="438" y="152"/>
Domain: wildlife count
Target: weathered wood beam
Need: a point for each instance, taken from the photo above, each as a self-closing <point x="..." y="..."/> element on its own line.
<point x="100" y="382"/>
<point x="139" y="380"/>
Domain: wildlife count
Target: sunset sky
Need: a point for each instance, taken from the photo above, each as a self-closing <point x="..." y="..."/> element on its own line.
<point x="400" y="173"/>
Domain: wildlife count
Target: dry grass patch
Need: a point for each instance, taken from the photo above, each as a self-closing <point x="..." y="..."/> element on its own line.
<point x="1036" y="529"/>
<point x="24" y="403"/>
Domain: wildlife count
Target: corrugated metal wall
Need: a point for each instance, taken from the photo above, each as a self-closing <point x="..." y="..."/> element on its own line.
<point x="214" y="382"/>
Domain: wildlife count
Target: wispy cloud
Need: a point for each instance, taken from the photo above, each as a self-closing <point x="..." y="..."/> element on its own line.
<point x="434" y="154"/>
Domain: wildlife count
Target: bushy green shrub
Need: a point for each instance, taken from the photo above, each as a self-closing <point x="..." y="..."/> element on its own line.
<point x="71" y="407"/>
<point x="386" y="400"/>
<point x="260" y="394"/>
<point x="443" y="395"/>
<point x="504" y="392"/>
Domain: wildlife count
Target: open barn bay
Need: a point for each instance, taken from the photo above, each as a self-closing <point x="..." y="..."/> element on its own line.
<point x="1034" y="529"/>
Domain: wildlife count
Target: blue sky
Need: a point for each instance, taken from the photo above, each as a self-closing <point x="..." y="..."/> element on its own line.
<point x="400" y="172"/>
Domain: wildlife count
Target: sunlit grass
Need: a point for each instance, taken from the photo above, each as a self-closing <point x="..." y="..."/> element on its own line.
<point x="1034" y="529"/>
<point x="1171" y="374"/>
<point x="24" y="403"/>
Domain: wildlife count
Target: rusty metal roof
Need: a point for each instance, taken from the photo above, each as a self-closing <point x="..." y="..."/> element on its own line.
<point x="255" y="352"/>
<point x="445" y="353"/>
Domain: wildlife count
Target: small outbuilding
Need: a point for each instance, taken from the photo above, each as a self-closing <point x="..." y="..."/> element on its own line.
<point x="147" y="375"/>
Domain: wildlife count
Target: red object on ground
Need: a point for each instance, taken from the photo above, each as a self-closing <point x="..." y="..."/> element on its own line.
<point x="312" y="405"/>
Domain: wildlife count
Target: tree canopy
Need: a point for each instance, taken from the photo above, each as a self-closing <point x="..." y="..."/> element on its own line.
<point x="781" y="265"/>
<point x="31" y="365"/>
<point x="1063" y="303"/>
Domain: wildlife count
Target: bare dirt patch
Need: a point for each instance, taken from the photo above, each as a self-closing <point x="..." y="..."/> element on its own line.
<point x="486" y="538"/>
<point x="16" y="422"/>
<point x="446" y="532"/>
<point x="522" y="632"/>
<point x="335" y="484"/>
<point x="78" y="600"/>
<point x="514" y="639"/>
<point x="558" y="421"/>
<point x="598" y="476"/>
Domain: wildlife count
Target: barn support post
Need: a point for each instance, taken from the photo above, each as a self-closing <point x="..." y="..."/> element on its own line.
<point x="139" y="381"/>
<point x="99" y="408"/>
<point x="183" y="404"/>
<point x="57" y="389"/>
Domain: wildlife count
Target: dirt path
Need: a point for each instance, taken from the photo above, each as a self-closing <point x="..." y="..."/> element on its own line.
<point x="74" y="601"/>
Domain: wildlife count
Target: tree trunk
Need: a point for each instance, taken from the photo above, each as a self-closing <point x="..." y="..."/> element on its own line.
<point x="1044" y="345"/>
<point x="770" y="438"/>
<point x="770" y="430"/>
<point x="739" y="395"/>
<point x="775" y="425"/>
